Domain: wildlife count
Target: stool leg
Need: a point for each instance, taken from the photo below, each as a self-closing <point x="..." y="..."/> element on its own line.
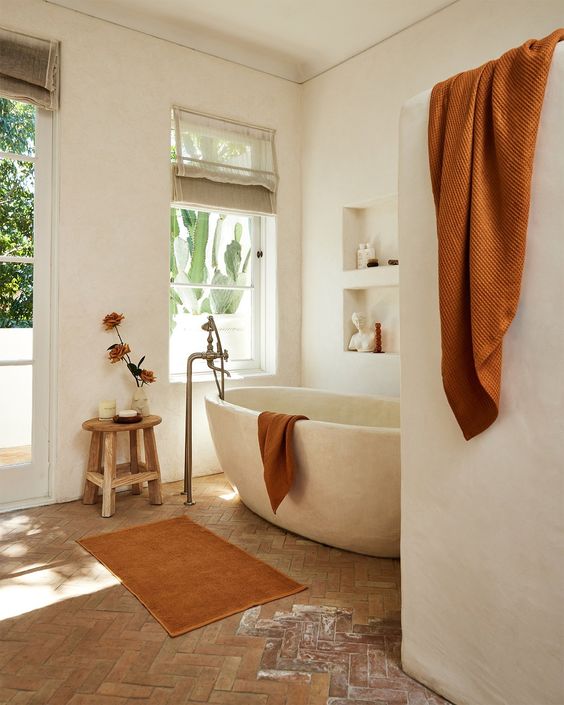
<point x="134" y="460"/>
<point x="108" y="492"/>
<point x="90" y="489"/>
<point x="152" y="459"/>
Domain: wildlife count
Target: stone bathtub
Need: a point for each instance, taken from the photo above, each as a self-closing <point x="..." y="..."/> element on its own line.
<point x="346" y="490"/>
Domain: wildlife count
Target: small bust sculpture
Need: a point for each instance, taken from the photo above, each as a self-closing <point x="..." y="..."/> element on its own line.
<point x="363" y="341"/>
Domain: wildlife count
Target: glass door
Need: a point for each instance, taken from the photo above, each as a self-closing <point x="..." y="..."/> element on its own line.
<point x="25" y="229"/>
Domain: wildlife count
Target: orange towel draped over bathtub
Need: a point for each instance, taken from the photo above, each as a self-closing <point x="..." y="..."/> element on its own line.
<point x="275" y="433"/>
<point x="482" y="132"/>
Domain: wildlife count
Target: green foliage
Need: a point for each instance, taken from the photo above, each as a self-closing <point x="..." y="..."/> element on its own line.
<point x="16" y="295"/>
<point x="188" y="260"/>
<point x="198" y="272"/>
<point x="17" y="132"/>
<point x="217" y="239"/>
<point x="189" y="266"/>
<point x="17" y="127"/>
<point x="228" y="300"/>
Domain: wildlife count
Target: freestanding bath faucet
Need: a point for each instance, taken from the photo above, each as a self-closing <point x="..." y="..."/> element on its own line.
<point x="209" y="356"/>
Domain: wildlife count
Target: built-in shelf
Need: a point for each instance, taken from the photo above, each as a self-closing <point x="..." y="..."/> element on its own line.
<point x="384" y="354"/>
<point x="373" y="291"/>
<point x="375" y="222"/>
<point x="378" y="303"/>
<point x="387" y="275"/>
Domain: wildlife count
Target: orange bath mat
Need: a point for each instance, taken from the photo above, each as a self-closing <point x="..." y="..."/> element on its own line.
<point x="185" y="575"/>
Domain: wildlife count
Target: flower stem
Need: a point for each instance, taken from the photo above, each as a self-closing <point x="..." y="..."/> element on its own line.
<point x="126" y="357"/>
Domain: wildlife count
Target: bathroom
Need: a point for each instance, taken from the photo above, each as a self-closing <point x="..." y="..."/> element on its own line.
<point x="337" y="139"/>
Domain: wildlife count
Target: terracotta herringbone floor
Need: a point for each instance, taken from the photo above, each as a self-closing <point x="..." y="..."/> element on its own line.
<point x="71" y="635"/>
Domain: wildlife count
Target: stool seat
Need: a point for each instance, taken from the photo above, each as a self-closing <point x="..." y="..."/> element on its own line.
<point x="109" y="475"/>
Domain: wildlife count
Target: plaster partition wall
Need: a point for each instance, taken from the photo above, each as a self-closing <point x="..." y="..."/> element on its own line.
<point x="350" y="147"/>
<point x="482" y="521"/>
<point x="112" y="237"/>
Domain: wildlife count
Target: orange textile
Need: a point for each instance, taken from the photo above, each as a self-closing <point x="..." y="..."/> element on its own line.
<point x="275" y="433"/>
<point x="185" y="575"/>
<point x="482" y="133"/>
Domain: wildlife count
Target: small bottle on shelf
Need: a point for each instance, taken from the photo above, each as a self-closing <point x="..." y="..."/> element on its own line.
<point x="361" y="258"/>
<point x="370" y="252"/>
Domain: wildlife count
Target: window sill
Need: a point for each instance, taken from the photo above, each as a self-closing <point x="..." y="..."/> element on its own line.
<point x="236" y="375"/>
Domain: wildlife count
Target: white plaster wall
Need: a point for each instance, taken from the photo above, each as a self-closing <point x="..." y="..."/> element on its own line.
<point x="117" y="87"/>
<point x="482" y="521"/>
<point x="350" y="146"/>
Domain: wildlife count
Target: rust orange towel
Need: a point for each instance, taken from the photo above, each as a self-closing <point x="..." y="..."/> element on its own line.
<point x="275" y="433"/>
<point x="482" y="132"/>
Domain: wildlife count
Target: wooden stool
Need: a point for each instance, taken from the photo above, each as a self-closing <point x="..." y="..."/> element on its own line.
<point x="110" y="476"/>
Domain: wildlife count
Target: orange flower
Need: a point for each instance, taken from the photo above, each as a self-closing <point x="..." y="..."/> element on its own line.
<point x="112" y="320"/>
<point x="118" y="352"/>
<point x="148" y="376"/>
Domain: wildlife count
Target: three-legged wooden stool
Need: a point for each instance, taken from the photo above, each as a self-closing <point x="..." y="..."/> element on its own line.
<point x="111" y="475"/>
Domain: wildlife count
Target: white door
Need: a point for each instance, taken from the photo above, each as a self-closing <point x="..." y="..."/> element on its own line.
<point x="26" y="136"/>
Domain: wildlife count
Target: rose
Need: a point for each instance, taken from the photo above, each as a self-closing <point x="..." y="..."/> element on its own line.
<point x="118" y="351"/>
<point x="148" y="376"/>
<point x="112" y="320"/>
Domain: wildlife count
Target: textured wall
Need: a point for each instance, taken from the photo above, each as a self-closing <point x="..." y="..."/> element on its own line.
<point x="482" y="522"/>
<point x="117" y="87"/>
<point x="350" y="147"/>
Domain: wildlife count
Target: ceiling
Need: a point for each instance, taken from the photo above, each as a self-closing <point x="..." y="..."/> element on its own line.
<point x="293" y="39"/>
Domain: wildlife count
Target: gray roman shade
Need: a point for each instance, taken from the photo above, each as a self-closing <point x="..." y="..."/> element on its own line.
<point x="29" y="69"/>
<point x="223" y="164"/>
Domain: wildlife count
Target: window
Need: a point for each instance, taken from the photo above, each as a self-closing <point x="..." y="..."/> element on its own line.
<point x="221" y="237"/>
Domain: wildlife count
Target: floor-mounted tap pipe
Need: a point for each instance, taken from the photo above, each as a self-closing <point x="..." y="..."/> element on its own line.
<point x="209" y="355"/>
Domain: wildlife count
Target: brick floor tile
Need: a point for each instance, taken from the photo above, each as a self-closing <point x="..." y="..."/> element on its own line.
<point x="337" y="643"/>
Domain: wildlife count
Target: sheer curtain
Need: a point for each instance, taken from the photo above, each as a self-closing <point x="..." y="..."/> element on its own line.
<point x="223" y="164"/>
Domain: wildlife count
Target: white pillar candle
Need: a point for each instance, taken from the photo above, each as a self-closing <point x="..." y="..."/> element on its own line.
<point x="106" y="410"/>
<point x="127" y="413"/>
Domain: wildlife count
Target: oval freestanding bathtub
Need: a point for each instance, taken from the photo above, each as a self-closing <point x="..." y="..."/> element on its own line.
<point x="346" y="490"/>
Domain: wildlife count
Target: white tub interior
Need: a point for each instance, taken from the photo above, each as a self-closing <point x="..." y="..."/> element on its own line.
<point x="358" y="410"/>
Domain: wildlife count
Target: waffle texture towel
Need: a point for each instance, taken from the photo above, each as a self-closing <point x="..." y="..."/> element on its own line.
<point x="275" y="433"/>
<point x="482" y="133"/>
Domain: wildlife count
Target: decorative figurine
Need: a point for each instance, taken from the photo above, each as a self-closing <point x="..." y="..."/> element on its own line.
<point x="378" y="337"/>
<point x="363" y="340"/>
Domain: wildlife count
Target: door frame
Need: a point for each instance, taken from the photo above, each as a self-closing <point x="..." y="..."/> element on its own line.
<point x="35" y="480"/>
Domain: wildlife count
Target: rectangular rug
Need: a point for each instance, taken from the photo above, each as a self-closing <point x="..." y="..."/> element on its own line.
<point x="185" y="575"/>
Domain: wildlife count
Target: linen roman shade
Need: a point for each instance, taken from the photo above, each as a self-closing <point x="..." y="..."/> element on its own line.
<point x="223" y="164"/>
<point x="29" y="69"/>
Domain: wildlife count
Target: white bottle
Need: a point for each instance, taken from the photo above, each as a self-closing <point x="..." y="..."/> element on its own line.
<point x="370" y="253"/>
<point x="361" y="259"/>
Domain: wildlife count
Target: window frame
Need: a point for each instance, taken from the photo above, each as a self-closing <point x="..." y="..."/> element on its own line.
<point x="262" y="362"/>
<point x="32" y="482"/>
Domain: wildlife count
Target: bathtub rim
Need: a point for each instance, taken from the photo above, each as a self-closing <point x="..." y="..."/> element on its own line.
<point x="213" y="397"/>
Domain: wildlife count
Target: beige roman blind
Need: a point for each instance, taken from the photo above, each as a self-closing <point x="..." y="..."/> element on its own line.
<point x="223" y="164"/>
<point x="29" y="69"/>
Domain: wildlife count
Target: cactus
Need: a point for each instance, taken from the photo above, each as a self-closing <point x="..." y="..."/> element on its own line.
<point x="217" y="239"/>
<point x="188" y="265"/>
<point x="224" y="300"/>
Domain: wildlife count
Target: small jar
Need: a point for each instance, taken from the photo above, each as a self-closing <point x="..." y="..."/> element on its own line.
<point x="106" y="410"/>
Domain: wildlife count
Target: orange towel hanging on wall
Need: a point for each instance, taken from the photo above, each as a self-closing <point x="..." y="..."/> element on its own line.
<point x="482" y="132"/>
